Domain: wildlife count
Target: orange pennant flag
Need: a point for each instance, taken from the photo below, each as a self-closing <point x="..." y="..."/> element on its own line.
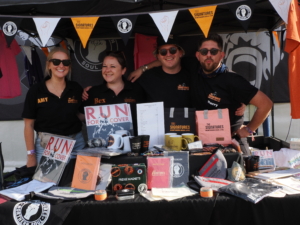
<point x="84" y="27"/>
<point x="204" y="17"/>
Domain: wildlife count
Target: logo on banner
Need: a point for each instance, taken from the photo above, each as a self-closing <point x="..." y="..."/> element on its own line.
<point x="31" y="212"/>
<point x="243" y="12"/>
<point x="91" y="57"/>
<point x="124" y="25"/>
<point x="178" y="170"/>
<point x="9" y="28"/>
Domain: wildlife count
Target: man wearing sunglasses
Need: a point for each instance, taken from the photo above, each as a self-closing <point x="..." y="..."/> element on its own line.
<point x="169" y="82"/>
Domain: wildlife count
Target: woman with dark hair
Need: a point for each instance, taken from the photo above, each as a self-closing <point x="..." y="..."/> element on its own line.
<point x="116" y="88"/>
<point x="51" y="107"/>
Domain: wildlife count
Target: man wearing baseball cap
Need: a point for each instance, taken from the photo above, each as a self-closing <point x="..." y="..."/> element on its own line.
<point x="169" y="83"/>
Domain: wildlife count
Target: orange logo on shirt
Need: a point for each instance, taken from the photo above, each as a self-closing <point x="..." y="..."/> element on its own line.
<point x="213" y="96"/>
<point x="183" y="87"/>
<point x="97" y="100"/>
<point x="72" y="100"/>
<point x="129" y="100"/>
<point x="42" y="100"/>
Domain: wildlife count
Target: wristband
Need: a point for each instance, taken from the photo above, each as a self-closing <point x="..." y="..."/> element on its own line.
<point x="145" y="67"/>
<point x="249" y="130"/>
<point x="31" y="152"/>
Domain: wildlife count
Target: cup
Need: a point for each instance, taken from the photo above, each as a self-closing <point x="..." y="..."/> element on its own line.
<point x="115" y="141"/>
<point x="127" y="146"/>
<point x="190" y="137"/>
<point x="251" y="163"/>
<point x="177" y="143"/>
<point x="145" y="142"/>
<point x="123" y="133"/>
<point x="136" y="144"/>
<point x="167" y="135"/>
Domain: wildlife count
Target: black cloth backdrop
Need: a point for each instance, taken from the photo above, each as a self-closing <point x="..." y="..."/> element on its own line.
<point x="248" y="54"/>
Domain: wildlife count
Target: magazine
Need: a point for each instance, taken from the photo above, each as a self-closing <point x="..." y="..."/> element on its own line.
<point x="103" y="120"/>
<point x="266" y="158"/>
<point x="54" y="159"/>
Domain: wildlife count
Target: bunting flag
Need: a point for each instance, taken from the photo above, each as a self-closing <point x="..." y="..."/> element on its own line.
<point x="282" y="8"/>
<point x="45" y="28"/>
<point x="204" y="17"/>
<point x="124" y="26"/>
<point x="84" y="27"/>
<point x="164" y="22"/>
<point x="243" y="11"/>
<point x="10" y="26"/>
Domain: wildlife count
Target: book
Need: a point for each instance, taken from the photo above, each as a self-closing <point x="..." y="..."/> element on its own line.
<point x="266" y="158"/>
<point x="103" y="120"/>
<point x="278" y="174"/>
<point x="54" y="159"/>
<point x="159" y="172"/>
<point x="86" y="172"/>
<point x="180" y="169"/>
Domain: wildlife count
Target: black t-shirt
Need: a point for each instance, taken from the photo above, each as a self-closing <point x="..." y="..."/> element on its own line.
<point x="51" y="113"/>
<point x="172" y="89"/>
<point x="132" y="94"/>
<point x="223" y="90"/>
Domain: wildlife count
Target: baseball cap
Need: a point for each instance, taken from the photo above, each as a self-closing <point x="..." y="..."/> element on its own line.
<point x="172" y="40"/>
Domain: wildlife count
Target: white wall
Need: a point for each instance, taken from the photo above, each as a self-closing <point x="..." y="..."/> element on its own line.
<point x="14" y="150"/>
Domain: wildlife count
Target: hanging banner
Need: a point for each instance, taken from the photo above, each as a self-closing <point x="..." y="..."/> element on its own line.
<point x="124" y="26"/>
<point x="164" y="22"/>
<point x="27" y="51"/>
<point x="10" y="26"/>
<point x="84" y="27"/>
<point x="243" y="11"/>
<point x="204" y="17"/>
<point x="282" y="8"/>
<point x="45" y="28"/>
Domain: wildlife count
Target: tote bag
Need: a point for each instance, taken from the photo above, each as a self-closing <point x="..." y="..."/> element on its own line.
<point x="213" y="126"/>
<point x="180" y="120"/>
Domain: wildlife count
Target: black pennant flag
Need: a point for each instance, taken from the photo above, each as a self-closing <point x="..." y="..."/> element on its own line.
<point x="243" y="11"/>
<point x="124" y="26"/>
<point x="10" y="26"/>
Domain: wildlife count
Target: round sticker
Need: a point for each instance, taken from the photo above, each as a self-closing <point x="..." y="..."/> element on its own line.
<point x="243" y="12"/>
<point x="9" y="28"/>
<point x="124" y="25"/>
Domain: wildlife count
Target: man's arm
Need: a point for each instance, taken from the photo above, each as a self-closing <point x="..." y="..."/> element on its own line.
<point x="134" y="75"/>
<point x="264" y="105"/>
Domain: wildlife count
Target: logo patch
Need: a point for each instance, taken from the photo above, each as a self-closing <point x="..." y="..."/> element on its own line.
<point x="178" y="170"/>
<point x="9" y="28"/>
<point x="124" y="25"/>
<point x="243" y="12"/>
<point x="183" y="87"/>
<point x="31" y="212"/>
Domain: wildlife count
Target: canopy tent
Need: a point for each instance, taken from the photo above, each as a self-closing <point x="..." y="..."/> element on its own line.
<point x="264" y="15"/>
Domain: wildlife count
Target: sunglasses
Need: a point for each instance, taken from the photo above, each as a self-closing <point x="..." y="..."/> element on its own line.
<point x="212" y="51"/>
<point x="164" y="51"/>
<point x="56" y="62"/>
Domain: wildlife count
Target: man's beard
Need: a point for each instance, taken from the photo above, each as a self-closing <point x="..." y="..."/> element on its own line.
<point x="209" y="68"/>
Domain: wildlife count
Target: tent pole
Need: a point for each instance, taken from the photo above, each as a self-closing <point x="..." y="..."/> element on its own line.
<point x="271" y="79"/>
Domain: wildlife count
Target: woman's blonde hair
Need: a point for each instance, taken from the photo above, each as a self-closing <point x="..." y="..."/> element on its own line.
<point x="50" y="55"/>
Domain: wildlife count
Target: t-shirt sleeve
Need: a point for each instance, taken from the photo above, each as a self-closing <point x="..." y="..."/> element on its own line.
<point x="241" y="89"/>
<point x="30" y="110"/>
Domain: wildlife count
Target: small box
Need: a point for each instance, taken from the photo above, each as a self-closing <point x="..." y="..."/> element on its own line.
<point x="129" y="176"/>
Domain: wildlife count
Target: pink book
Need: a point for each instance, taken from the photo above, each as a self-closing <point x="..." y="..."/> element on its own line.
<point x="159" y="173"/>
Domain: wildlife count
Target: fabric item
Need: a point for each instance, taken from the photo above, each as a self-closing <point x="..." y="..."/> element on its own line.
<point x="34" y="71"/>
<point x="292" y="46"/>
<point x="79" y="145"/>
<point x="53" y="114"/>
<point x="215" y="166"/>
<point x="172" y="89"/>
<point x="10" y="81"/>
<point x="143" y="50"/>
<point x="132" y="94"/>
<point x="224" y="89"/>
<point x="18" y="193"/>
<point x="67" y="193"/>
<point x="34" y="212"/>
<point x="213" y="183"/>
<point x="213" y="126"/>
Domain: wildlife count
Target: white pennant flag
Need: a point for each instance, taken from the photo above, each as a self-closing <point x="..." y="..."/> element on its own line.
<point x="27" y="51"/>
<point x="164" y="22"/>
<point x="282" y="8"/>
<point x="45" y="28"/>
